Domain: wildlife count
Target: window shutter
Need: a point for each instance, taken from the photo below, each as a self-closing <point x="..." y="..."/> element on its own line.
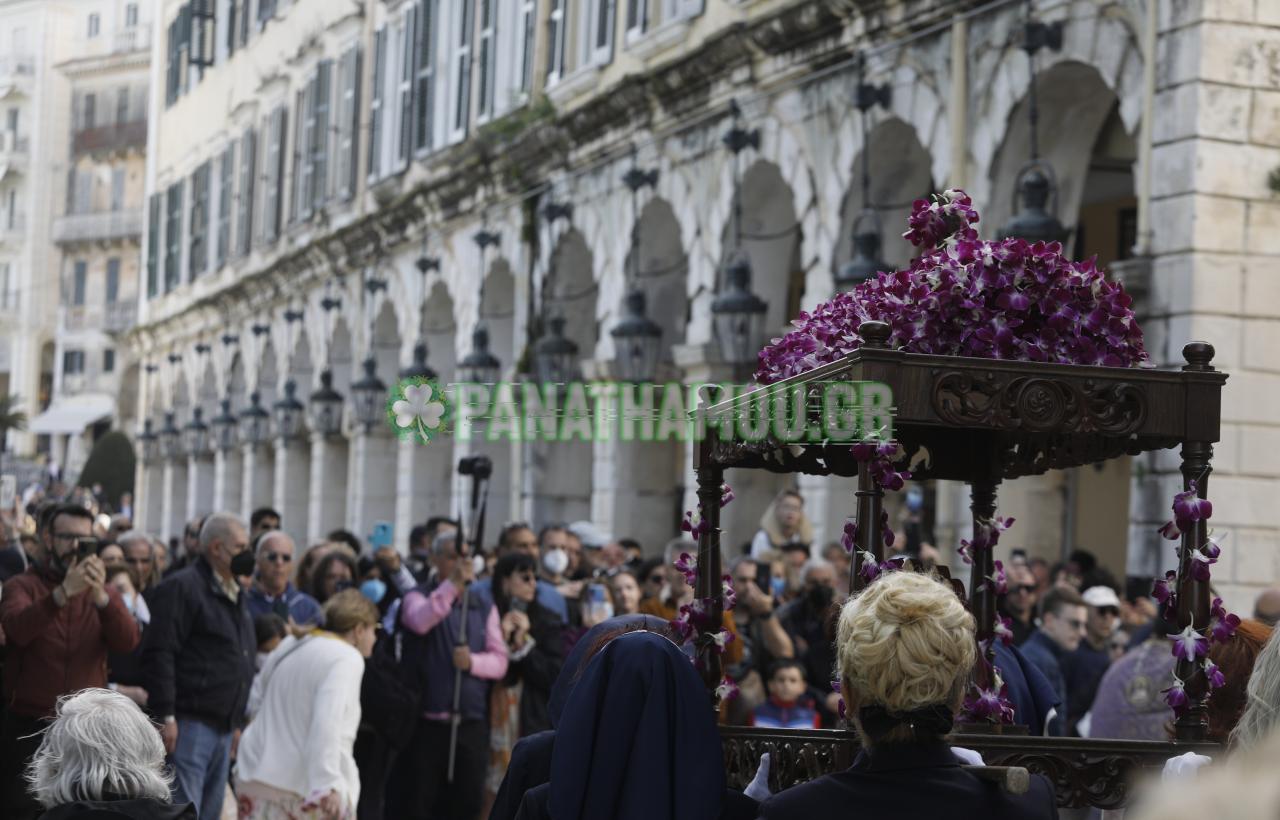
<point x="462" y="72"/>
<point x="226" y="181"/>
<point x="198" y="258"/>
<point x="344" y="159"/>
<point x="425" y="97"/>
<point x="301" y="162"/>
<point x="173" y="235"/>
<point x="273" y="173"/>
<point x="113" y="280"/>
<point x="408" y="67"/>
<point x="320" y="135"/>
<point x="375" y="104"/>
<point x="248" y="161"/>
<point x="153" y="244"/>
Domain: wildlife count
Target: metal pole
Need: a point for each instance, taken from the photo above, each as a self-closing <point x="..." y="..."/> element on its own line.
<point x="455" y="719"/>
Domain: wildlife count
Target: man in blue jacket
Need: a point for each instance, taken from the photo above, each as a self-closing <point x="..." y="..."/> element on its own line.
<point x="199" y="657"/>
<point x="1062" y="624"/>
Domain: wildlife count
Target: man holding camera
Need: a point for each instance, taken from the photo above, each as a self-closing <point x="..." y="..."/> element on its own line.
<point x="60" y="619"/>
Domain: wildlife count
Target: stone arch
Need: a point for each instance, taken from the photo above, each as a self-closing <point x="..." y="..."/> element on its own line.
<point x="268" y="373"/>
<point x="341" y="356"/>
<point x="771" y="236"/>
<point x="900" y="174"/>
<point x="437" y="327"/>
<point x="384" y="342"/>
<point x="497" y="312"/>
<point x="660" y="272"/>
<point x="1075" y="103"/>
<point x="574" y="291"/>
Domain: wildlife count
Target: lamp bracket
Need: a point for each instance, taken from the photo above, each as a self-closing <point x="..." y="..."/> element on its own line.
<point x="1037" y="35"/>
<point x="426" y="264"/>
<point x="292" y="316"/>
<point x="261" y="330"/>
<point x="739" y="138"/>
<point x="330" y="303"/>
<point x="151" y="368"/>
<point x="868" y="95"/>
<point x="373" y="285"/>
<point x="202" y="349"/>
<point x="485" y="239"/>
<point x="635" y="179"/>
<point x="174" y="358"/>
<point x="228" y="340"/>
<point x="553" y="211"/>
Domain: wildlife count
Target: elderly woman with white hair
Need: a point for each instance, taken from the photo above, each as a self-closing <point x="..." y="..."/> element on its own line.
<point x="102" y="757"/>
<point x="904" y="650"/>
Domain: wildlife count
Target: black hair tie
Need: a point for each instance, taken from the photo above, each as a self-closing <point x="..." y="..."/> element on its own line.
<point x="877" y="721"/>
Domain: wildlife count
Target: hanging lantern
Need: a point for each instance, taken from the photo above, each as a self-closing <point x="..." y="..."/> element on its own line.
<point x="288" y="413"/>
<point x="738" y="314"/>
<point x="170" y="438"/>
<point x="369" y="395"/>
<point x="223" y="426"/>
<point x="326" y="407"/>
<point x="1034" y="220"/>
<point x="148" y="442"/>
<point x="196" y="434"/>
<point x="419" y="368"/>
<point x="255" y="422"/>
<point x="866" y="261"/>
<point x="555" y="356"/>
<point x="637" y="341"/>
<point x="480" y="366"/>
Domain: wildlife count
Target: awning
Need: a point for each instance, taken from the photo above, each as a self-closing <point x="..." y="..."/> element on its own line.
<point x="73" y="413"/>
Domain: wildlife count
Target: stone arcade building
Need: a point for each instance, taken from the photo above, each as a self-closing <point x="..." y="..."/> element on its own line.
<point x="303" y="149"/>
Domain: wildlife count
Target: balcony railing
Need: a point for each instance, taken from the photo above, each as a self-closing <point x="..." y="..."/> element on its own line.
<point x="134" y="39"/>
<point x="110" y="318"/>
<point x="102" y="226"/>
<point x="111" y="138"/>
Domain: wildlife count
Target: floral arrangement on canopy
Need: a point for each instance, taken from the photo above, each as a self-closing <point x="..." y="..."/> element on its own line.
<point x="965" y="296"/>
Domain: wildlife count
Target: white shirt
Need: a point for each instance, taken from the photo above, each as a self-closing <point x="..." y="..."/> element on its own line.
<point x="306" y="709"/>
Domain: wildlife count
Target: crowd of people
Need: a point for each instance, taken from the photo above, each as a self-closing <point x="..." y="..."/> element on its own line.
<point x="349" y="681"/>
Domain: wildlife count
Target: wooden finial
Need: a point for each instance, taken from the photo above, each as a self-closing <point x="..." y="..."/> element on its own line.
<point x="1198" y="356"/>
<point x="874" y="334"/>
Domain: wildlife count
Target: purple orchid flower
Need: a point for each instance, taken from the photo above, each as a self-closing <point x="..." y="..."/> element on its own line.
<point x="726" y="495"/>
<point x="1223" y="628"/>
<point x="1163" y="590"/>
<point x="695" y="525"/>
<point x="1214" y="675"/>
<point x="1176" y="697"/>
<point x="999" y="581"/>
<point x="1188" y="507"/>
<point x="1004" y="630"/>
<point x="1171" y="531"/>
<point x="849" y="539"/>
<point x="727" y="690"/>
<point x="1188" y="645"/>
<point x="870" y="569"/>
<point x="687" y="565"/>
<point x="722" y="639"/>
<point x="1200" y="563"/>
<point x="727" y="593"/>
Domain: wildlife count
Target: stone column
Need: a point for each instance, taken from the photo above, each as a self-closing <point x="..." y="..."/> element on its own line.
<point x="289" y="492"/>
<point x="199" y="487"/>
<point x="149" y="501"/>
<point x="228" y="475"/>
<point x="327" y="503"/>
<point x="371" y="481"/>
<point x="258" y="482"/>
<point x="423" y="485"/>
<point x="173" y="498"/>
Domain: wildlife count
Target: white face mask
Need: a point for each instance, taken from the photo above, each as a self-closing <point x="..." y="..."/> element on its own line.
<point x="556" y="561"/>
<point x="477" y="562"/>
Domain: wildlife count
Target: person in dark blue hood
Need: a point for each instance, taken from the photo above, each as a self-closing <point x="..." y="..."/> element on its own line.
<point x="531" y="758"/>
<point x="637" y="741"/>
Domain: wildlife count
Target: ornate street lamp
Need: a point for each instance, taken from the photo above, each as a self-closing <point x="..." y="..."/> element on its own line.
<point x="255" y="421"/>
<point x="867" y="233"/>
<point x="223" y="427"/>
<point x="1036" y="190"/>
<point x="480" y="366"/>
<point x="418" y="368"/>
<point x="637" y="339"/>
<point x="170" y="438"/>
<point x="288" y="412"/>
<point x="195" y="435"/>
<point x="148" y="442"/>
<point x="326" y="407"/>
<point x="737" y="313"/>
<point x="369" y="395"/>
<point x="555" y="356"/>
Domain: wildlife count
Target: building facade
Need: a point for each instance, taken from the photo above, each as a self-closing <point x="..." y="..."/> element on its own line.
<point x="319" y="174"/>
<point x="70" y="199"/>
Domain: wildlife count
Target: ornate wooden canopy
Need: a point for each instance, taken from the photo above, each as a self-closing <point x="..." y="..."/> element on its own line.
<point x="982" y="421"/>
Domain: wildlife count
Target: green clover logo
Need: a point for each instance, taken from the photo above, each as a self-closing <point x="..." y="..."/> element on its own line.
<point x="417" y="409"/>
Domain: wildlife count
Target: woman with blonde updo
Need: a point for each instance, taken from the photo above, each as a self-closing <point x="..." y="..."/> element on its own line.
<point x="904" y="650"/>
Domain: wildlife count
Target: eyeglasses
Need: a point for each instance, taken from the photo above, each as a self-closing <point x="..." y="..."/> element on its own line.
<point x="653" y="579"/>
<point x="1025" y="589"/>
<point x="1109" y="610"/>
<point x="277" y="557"/>
<point x="1076" y="625"/>
<point x="137" y="561"/>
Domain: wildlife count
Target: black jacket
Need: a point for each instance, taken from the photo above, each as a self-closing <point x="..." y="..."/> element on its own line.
<point x="198" y="652"/>
<point x="139" y="809"/>
<point x="909" y="781"/>
<point x="535" y="805"/>
<point x="538" y="670"/>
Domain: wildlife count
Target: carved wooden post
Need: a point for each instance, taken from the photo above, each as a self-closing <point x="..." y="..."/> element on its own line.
<point x="1193" y="595"/>
<point x="708" y="586"/>
<point x="982" y="595"/>
<point x="869" y="495"/>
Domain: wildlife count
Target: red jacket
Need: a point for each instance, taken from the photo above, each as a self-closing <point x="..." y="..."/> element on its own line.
<point x="52" y="652"/>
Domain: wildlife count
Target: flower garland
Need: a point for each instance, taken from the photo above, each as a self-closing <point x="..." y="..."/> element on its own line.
<point x="989" y="704"/>
<point x="1192" y="643"/>
<point x="693" y="622"/>
<point x="964" y="296"/>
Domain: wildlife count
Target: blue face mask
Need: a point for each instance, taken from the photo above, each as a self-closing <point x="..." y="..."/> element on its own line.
<point x="778" y="585"/>
<point x="375" y="589"/>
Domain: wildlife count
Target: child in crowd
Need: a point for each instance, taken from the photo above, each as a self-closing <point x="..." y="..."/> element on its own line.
<point x="788" y="706"/>
<point x="270" y="630"/>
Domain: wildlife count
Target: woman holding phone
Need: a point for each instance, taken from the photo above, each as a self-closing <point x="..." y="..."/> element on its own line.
<point x="535" y="652"/>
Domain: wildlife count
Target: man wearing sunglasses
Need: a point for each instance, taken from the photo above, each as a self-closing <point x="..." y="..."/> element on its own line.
<point x="1062" y="623"/>
<point x="1083" y="668"/>
<point x="273" y="591"/>
<point x="60" y="620"/>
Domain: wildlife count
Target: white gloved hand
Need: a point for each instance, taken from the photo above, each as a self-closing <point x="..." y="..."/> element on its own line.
<point x="968" y="756"/>
<point x="1183" y="766"/>
<point x="758" y="788"/>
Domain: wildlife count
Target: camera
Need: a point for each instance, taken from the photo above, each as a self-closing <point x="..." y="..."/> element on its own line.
<point x="478" y="466"/>
<point x="86" y="547"/>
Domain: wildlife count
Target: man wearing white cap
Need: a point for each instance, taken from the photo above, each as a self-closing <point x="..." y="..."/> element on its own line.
<point x="1083" y="669"/>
